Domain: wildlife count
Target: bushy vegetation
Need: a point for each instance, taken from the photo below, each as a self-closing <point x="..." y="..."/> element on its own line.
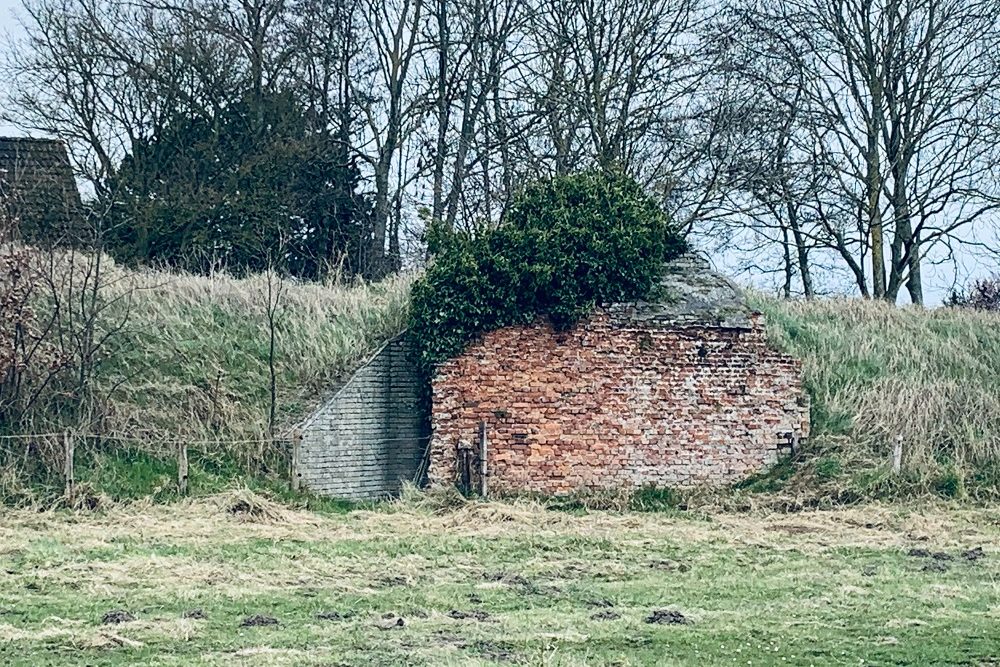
<point x="877" y="373"/>
<point x="564" y="245"/>
<point x="981" y="294"/>
<point x="238" y="188"/>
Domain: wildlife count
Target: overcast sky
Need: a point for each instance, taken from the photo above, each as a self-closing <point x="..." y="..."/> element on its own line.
<point x="938" y="280"/>
<point x="9" y="29"/>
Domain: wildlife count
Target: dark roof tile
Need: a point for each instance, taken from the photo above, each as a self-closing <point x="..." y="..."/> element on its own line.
<point x="37" y="187"/>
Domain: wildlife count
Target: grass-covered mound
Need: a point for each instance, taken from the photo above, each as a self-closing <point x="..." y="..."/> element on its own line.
<point x="194" y="359"/>
<point x="876" y="373"/>
<point x="184" y="358"/>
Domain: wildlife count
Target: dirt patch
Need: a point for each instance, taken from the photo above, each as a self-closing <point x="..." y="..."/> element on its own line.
<point x="667" y="617"/>
<point x="333" y="616"/>
<point x="390" y="622"/>
<point x="117" y="617"/>
<point x="258" y="621"/>
<point x="394" y="581"/>
<point x="494" y="651"/>
<point x="669" y="565"/>
<point x="507" y="578"/>
<point x="973" y="555"/>
<point x="477" y="615"/>
<point x="924" y="553"/>
<point x="606" y="615"/>
<point x="517" y="581"/>
<point x="934" y="566"/>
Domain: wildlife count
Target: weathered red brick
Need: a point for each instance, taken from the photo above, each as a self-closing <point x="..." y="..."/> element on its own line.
<point x="605" y="406"/>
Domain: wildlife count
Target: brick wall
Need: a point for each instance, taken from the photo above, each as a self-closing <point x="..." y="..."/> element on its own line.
<point x="614" y="404"/>
<point x="369" y="437"/>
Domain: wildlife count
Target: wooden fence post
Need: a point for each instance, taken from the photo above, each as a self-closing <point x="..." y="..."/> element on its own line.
<point x="897" y="454"/>
<point x="68" y="453"/>
<point x="483" y="485"/>
<point x="465" y="468"/>
<point x="182" y="468"/>
<point x="296" y="474"/>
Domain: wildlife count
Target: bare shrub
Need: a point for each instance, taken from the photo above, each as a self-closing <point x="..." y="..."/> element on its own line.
<point x="980" y="295"/>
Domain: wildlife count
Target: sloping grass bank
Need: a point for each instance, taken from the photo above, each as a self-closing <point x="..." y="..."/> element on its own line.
<point x="186" y="359"/>
<point x="193" y="361"/>
<point x="875" y="373"/>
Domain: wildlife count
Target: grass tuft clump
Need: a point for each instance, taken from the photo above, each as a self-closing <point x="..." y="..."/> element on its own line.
<point x="246" y="505"/>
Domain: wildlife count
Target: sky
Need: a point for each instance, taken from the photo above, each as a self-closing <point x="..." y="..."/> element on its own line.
<point x="938" y="280"/>
<point x="9" y="29"/>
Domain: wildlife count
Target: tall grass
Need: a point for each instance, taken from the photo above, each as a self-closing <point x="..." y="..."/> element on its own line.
<point x="193" y="360"/>
<point x="186" y="359"/>
<point x="876" y="373"/>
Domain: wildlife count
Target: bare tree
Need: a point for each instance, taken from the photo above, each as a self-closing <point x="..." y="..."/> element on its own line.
<point x="392" y="108"/>
<point x="900" y="105"/>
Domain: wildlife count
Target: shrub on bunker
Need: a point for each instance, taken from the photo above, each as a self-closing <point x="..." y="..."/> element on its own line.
<point x="564" y="245"/>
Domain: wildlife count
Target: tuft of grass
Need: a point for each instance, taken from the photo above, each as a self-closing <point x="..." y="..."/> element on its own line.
<point x="876" y="373"/>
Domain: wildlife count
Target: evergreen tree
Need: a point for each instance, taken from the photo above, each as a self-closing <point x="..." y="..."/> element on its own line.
<point x="250" y="186"/>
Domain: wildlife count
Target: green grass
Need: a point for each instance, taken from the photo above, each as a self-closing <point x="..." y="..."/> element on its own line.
<point x="814" y="588"/>
<point x="875" y="373"/>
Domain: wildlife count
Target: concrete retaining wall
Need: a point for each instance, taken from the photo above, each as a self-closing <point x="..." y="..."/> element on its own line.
<point x="370" y="436"/>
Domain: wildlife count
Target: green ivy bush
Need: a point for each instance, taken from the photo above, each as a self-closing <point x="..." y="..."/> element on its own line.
<point x="564" y="245"/>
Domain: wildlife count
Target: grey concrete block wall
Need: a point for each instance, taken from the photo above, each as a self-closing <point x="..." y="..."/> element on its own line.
<point x="370" y="437"/>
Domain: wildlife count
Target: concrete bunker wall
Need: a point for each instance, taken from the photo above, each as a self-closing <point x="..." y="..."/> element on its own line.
<point x="370" y="437"/>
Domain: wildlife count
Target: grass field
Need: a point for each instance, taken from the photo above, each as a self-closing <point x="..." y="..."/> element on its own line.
<point x="489" y="583"/>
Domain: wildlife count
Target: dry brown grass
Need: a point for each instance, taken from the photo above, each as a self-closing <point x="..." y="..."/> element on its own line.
<point x="188" y="354"/>
<point x="211" y="520"/>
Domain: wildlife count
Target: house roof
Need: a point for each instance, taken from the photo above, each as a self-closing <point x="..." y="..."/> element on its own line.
<point x="689" y="293"/>
<point x="37" y="187"/>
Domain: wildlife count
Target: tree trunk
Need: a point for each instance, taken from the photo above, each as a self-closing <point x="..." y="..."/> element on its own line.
<point x="874" y="214"/>
<point x="786" y="289"/>
<point x="375" y="262"/>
